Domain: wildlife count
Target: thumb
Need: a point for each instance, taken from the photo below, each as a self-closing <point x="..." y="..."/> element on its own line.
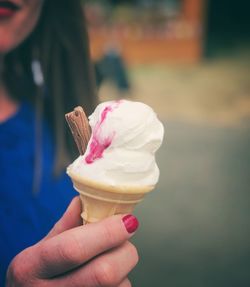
<point x="70" y="219"/>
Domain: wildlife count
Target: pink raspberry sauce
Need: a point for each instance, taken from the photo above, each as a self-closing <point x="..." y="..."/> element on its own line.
<point x="98" y="145"/>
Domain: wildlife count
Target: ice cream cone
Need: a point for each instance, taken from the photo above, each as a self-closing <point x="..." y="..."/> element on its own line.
<point x="101" y="200"/>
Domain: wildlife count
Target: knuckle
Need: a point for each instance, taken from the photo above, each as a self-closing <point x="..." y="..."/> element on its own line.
<point x="132" y="251"/>
<point x="44" y="255"/>
<point x="105" y="274"/>
<point x="21" y="272"/>
<point x="125" y="283"/>
<point x="109" y="234"/>
<point x="67" y="252"/>
<point x="76" y="250"/>
<point x="16" y="273"/>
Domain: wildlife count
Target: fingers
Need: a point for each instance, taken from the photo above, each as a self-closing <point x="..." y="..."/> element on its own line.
<point x="109" y="269"/>
<point x="75" y="247"/>
<point x="70" y="219"/>
<point x="125" y="283"/>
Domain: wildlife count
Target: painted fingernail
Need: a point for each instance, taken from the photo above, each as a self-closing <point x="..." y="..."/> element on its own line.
<point x="131" y="223"/>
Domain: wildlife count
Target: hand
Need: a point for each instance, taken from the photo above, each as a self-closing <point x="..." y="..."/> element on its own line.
<point x="97" y="254"/>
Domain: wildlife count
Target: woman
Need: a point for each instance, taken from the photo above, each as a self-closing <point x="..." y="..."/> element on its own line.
<point x="44" y="72"/>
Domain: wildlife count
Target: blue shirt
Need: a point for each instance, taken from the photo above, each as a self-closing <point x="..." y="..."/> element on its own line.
<point x="25" y="218"/>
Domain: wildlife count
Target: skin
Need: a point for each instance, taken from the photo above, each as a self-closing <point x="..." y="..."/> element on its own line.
<point x="93" y="255"/>
<point x="13" y="30"/>
<point x="74" y="255"/>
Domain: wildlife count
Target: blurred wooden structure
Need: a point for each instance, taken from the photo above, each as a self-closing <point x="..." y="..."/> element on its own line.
<point x="183" y="45"/>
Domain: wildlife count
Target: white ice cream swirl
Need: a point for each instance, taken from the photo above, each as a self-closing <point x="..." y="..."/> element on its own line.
<point x="121" y="150"/>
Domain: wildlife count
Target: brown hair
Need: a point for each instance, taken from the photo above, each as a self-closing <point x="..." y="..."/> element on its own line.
<point x="60" y="43"/>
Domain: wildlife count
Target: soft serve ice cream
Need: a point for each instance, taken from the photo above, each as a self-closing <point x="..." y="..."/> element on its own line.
<point x="121" y="151"/>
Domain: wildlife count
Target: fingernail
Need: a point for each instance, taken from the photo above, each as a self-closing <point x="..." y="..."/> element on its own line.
<point x="131" y="223"/>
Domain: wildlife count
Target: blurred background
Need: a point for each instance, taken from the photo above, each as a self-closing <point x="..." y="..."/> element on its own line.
<point x="189" y="60"/>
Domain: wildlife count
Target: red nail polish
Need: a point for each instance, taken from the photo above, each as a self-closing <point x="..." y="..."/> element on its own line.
<point x="131" y="223"/>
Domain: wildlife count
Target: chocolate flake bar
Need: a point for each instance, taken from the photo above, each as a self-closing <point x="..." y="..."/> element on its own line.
<point x="79" y="126"/>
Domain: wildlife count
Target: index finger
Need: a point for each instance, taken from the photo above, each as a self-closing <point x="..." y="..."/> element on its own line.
<point x="75" y="247"/>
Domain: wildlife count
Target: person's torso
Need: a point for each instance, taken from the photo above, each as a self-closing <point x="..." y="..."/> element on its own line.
<point x="26" y="217"/>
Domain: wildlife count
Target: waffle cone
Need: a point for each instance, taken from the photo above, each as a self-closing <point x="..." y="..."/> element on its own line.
<point x="101" y="200"/>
